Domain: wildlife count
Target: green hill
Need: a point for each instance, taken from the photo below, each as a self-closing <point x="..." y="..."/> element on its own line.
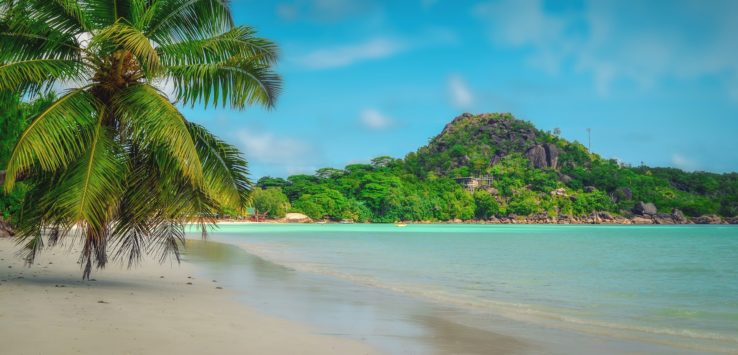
<point x="526" y="171"/>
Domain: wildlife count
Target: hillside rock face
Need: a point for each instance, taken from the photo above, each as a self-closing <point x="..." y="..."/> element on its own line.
<point x="543" y="155"/>
<point x="487" y="138"/>
<point x="708" y="219"/>
<point x="678" y="216"/>
<point x="642" y="208"/>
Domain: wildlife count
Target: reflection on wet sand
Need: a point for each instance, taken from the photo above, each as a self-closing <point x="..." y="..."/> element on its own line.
<point x="393" y="323"/>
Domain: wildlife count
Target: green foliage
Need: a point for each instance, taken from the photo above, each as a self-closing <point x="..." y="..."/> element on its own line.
<point x="524" y="203"/>
<point x="270" y="201"/>
<point x="486" y="205"/>
<point x="421" y="186"/>
<point x="14" y="116"/>
<point x="114" y="156"/>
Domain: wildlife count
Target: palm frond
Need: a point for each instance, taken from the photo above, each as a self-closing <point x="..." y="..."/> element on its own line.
<point x="167" y="238"/>
<point x="115" y="162"/>
<point x="37" y="74"/>
<point x="173" y="21"/>
<point x="89" y="189"/>
<point x="55" y="137"/>
<point x="103" y="13"/>
<point x="238" y="41"/>
<point x="140" y="207"/>
<point x="224" y="169"/>
<point x="19" y="45"/>
<point x="237" y="83"/>
<point x="155" y="122"/>
<point x="129" y="38"/>
<point x="66" y="16"/>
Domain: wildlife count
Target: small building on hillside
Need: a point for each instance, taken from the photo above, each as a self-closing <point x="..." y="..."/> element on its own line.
<point x="473" y="183"/>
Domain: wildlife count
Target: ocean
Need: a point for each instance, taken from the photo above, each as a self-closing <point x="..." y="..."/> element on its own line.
<point x="674" y="286"/>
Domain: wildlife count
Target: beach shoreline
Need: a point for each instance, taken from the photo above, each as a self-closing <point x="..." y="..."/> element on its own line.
<point x="281" y="275"/>
<point x="151" y="309"/>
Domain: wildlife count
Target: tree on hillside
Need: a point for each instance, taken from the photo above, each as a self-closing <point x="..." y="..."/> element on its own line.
<point x="113" y="154"/>
<point x="270" y="201"/>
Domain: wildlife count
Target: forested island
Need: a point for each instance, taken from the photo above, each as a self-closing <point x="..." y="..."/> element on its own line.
<point x="496" y="168"/>
<point x="481" y="168"/>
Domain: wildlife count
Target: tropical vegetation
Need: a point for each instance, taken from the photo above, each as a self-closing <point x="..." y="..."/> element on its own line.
<point x="424" y="186"/>
<point x="112" y="159"/>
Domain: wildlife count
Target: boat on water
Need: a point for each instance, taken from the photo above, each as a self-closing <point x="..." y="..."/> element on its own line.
<point x="400" y="225"/>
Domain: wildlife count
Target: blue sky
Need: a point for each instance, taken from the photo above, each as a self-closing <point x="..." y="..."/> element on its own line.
<point x="657" y="81"/>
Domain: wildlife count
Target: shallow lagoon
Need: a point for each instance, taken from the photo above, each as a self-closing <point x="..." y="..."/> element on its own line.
<point x="617" y="288"/>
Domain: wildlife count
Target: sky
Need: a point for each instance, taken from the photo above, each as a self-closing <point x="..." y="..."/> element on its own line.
<point x="656" y="81"/>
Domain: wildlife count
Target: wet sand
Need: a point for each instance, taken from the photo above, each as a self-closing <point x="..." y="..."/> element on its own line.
<point x="48" y="309"/>
<point x="262" y="308"/>
<point x="390" y="321"/>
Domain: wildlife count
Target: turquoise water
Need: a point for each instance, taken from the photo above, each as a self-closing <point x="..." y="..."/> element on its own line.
<point x="675" y="284"/>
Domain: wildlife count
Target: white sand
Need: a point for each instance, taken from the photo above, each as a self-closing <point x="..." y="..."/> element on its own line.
<point x="141" y="314"/>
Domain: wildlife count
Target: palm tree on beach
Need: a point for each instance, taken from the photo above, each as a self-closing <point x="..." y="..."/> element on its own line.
<point x="112" y="160"/>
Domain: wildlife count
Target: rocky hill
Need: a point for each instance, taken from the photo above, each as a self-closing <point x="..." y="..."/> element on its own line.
<point x="473" y="145"/>
<point x="494" y="168"/>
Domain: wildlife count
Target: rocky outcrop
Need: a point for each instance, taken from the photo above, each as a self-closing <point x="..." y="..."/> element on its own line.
<point x="490" y="136"/>
<point x="708" y="219"/>
<point x="601" y="217"/>
<point x="641" y="220"/>
<point x="645" y="209"/>
<point x="537" y="156"/>
<point x="564" y="178"/>
<point x="678" y="216"/>
<point x="732" y="220"/>
<point x="622" y="194"/>
<point x="663" y="218"/>
<point x="543" y="156"/>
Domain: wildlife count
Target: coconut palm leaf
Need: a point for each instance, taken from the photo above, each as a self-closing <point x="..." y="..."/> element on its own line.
<point x="176" y="21"/>
<point x="236" y="83"/>
<point x="127" y="38"/>
<point x="36" y="74"/>
<point x="38" y="43"/>
<point x="226" y="172"/>
<point x="66" y="16"/>
<point x="113" y="156"/>
<point x="239" y="41"/>
<point x="55" y="137"/>
<point x="153" y="119"/>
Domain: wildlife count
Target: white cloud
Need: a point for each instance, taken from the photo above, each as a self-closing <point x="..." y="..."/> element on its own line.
<point x="459" y="92"/>
<point x="684" y="163"/>
<point x="374" y="48"/>
<point x="375" y="120"/>
<point x="620" y="42"/>
<point x="341" y="56"/>
<point x="267" y="148"/>
<point x="287" y="12"/>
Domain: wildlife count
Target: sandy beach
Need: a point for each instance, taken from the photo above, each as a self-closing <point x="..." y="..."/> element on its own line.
<point x="48" y="309"/>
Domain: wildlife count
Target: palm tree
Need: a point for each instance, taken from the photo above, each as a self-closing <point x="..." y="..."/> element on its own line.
<point x="112" y="161"/>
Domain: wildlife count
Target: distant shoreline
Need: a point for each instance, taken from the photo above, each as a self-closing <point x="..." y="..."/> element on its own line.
<point x="523" y="221"/>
